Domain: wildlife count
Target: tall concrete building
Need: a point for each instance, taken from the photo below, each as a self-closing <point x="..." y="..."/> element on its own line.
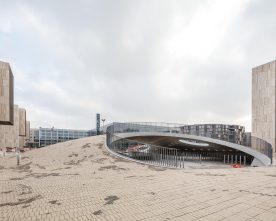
<point x="22" y="122"/>
<point x="263" y="102"/>
<point x="10" y="133"/>
<point x="6" y="94"/>
<point x="42" y="137"/>
<point x="14" y="129"/>
<point x="15" y="135"/>
<point x="22" y="127"/>
<point x="28" y="130"/>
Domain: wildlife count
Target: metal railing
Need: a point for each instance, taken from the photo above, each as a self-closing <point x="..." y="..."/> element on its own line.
<point x="148" y="153"/>
<point x="170" y="156"/>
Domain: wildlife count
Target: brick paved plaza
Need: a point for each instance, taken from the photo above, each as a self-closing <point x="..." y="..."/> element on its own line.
<point x="80" y="180"/>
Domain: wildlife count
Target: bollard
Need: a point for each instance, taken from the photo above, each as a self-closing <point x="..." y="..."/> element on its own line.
<point x="157" y="156"/>
<point x="173" y="158"/>
<point x="176" y="162"/>
<point x="18" y="157"/>
<point x="150" y="155"/>
<point x="170" y="157"/>
<point x="167" y="157"/>
<point x="244" y="159"/>
<point x="153" y="156"/>
<point x="161" y="161"/>
<point x="162" y="157"/>
<point x="176" y="158"/>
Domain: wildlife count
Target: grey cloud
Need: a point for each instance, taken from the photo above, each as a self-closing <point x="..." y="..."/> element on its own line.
<point x="136" y="60"/>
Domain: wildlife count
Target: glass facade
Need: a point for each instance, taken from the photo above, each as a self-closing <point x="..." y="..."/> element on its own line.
<point x="46" y="136"/>
<point x="230" y="133"/>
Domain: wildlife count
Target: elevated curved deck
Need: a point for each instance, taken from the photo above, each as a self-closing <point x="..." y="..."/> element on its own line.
<point x="175" y="140"/>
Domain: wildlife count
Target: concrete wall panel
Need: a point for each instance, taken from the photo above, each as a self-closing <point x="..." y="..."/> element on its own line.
<point x="6" y="94"/>
<point x="22" y="122"/>
<point x="263" y="102"/>
<point x="28" y="128"/>
<point x="10" y="133"/>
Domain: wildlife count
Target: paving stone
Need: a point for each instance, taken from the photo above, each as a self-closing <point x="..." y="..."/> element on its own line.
<point x="68" y="182"/>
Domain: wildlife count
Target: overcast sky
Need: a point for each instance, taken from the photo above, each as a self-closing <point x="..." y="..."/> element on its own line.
<point x="165" y="61"/>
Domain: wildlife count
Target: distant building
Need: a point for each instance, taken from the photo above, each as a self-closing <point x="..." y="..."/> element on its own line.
<point x="98" y="124"/>
<point x="231" y="133"/>
<point x="42" y="137"/>
<point x="22" y="127"/>
<point x="28" y="125"/>
<point x="263" y="102"/>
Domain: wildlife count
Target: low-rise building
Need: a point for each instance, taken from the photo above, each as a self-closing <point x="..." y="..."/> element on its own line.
<point x="42" y="137"/>
<point x="231" y="133"/>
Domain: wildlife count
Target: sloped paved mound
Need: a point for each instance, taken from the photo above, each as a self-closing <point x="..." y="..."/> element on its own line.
<point x="80" y="180"/>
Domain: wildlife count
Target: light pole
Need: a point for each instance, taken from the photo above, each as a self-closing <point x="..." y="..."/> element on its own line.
<point x="103" y="120"/>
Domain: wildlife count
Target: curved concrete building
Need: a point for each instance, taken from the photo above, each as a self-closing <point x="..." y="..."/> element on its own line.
<point x="224" y="143"/>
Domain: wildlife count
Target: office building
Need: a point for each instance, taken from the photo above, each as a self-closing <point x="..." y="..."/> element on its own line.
<point x="231" y="133"/>
<point x="46" y="136"/>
